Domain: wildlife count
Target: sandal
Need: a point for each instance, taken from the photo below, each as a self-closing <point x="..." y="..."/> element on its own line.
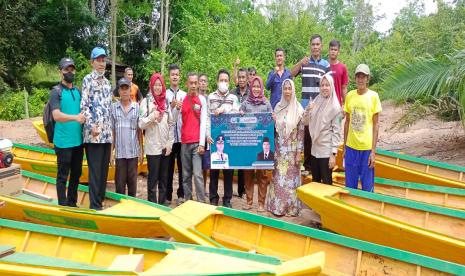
<point x="247" y="207"/>
<point x="261" y="209"/>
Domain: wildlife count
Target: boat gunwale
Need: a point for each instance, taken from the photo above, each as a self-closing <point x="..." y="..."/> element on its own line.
<point x="412" y="204"/>
<point x="33" y="148"/>
<point x="390" y="252"/>
<point x="420" y="160"/>
<point x="412" y="185"/>
<point x="84" y="188"/>
<point x="136" y="243"/>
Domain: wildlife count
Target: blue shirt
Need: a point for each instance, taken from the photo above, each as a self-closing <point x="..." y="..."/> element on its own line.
<point x="274" y="84"/>
<point x="67" y="134"/>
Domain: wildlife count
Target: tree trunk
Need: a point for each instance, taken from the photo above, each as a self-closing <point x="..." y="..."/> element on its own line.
<point x="164" y="35"/>
<point x="114" y="13"/>
<point x="92" y="7"/>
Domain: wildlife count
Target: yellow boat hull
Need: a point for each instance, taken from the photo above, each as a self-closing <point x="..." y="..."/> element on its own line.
<point x="40" y="248"/>
<point x="409" y="171"/>
<point x="35" y="202"/>
<point x="207" y="225"/>
<point x="43" y="161"/>
<point x="385" y="223"/>
<point x="39" y="127"/>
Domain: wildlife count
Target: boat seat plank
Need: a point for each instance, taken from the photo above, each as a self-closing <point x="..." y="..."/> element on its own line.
<point x="132" y="208"/>
<point x="131" y="262"/>
<point x="6" y="250"/>
<point x="40" y="260"/>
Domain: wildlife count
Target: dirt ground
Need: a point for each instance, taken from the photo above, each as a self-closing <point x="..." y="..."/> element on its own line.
<point x="428" y="138"/>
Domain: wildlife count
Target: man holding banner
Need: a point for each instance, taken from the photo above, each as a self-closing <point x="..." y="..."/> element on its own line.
<point x="221" y="102"/>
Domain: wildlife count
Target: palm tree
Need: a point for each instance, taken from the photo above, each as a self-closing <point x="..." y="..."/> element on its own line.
<point x="429" y="79"/>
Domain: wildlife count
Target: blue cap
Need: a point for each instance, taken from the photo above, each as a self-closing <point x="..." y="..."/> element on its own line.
<point x="97" y="52"/>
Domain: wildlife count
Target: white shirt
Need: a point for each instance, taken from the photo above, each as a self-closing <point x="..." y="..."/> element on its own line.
<point x="179" y="95"/>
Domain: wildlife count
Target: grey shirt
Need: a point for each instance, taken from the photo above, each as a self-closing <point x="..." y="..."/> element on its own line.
<point x="261" y="108"/>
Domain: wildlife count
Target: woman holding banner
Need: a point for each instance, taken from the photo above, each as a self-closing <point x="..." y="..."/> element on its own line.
<point x="323" y="116"/>
<point x="256" y="102"/>
<point x="288" y="113"/>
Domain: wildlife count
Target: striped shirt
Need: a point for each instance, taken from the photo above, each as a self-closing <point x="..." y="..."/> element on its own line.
<point x="311" y="76"/>
<point x="125" y="128"/>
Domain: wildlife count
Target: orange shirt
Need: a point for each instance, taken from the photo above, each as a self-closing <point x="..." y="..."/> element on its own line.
<point x="134" y="92"/>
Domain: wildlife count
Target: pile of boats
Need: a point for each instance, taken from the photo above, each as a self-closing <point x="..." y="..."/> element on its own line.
<point x="403" y="228"/>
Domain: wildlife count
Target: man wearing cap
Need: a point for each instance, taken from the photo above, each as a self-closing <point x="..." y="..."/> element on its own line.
<point x="362" y="107"/>
<point x="65" y="101"/>
<point x="126" y="139"/>
<point x="219" y="154"/>
<point x="96" y="106"/>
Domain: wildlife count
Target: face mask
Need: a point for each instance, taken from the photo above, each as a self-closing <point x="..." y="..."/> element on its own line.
<point x="222" y="87"/>
<point x="68" y="77"/>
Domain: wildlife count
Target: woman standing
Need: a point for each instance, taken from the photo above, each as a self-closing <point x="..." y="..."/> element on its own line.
<point x="288" y="113"/>
<point x="256" y="102"/>
<point x="323" y="116"/>
<point x="157" y="121"/>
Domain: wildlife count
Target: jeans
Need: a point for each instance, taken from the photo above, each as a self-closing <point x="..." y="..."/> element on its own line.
<point x="69" y="162"/>
<point x="192" y="166"/>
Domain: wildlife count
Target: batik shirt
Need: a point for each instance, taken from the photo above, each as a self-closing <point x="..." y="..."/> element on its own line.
<point x="96" y="106"/>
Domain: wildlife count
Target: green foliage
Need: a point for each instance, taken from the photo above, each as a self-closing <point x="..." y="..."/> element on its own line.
<point x="13" y="107"/>
<point x="43" y="75"/>
<point x="83" y="66"/>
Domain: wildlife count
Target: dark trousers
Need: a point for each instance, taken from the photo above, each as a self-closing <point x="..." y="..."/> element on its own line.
<point x="240" y="183"/>
<point x="98" y="160"/>
<point x="175" y="154"/>
<point x="227" y="179"/>
<point x="158" y="176"/>
<point x="307" y="149"/>
<point x="69" y="164"/>
<point x="126" y="175"/>
<point x="320" y="170"/>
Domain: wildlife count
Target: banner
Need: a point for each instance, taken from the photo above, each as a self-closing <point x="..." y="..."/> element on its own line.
<point x="242" y="142"/>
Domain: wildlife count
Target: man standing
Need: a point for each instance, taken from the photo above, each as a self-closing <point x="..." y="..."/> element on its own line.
<point x="242" y="92"/>
<point x="339" y="71"/>
<point x="203" y="90"/>
<point x="96" y="106"/>
<point x="127" y="139"/>
<point x="312" y="69"/>
<point x="194" y="121"/>
<point x="136" y="95"/>
<point x="276" y="77"/>
<point x="65" y="101"/>
<point x="175" y="97"/>
<point x="221" y="102"/>
<point x="362" y="107"/>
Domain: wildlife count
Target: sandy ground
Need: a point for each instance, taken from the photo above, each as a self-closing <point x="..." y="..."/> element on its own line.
<point x="428" y="138"/>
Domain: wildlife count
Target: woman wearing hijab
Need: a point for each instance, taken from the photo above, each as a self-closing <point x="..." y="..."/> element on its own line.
<point x="323" y="116"/>
<point x="288" y="113"/>
<point x="157" y="121"/>
<point x="256" y="102"/>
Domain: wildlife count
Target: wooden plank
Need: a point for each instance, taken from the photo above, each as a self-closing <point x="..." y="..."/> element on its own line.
<point x="359" y="262"/>
<point x="58" y="246"/>
<point x="37" y="195"/>
<point x="25" y="241"/>
<point x="92" y="252"/>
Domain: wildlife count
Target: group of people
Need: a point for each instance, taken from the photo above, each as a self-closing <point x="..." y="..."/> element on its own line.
<point x="171" y="126"/>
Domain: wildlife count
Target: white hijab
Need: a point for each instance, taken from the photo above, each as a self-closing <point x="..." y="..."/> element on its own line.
<point x="288" y="114"/>
<point x="325" y="109"/>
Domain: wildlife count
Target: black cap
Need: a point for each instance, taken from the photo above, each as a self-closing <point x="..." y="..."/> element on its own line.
<point x="124" y="81"/>
<point x="65" y="62"/>
<point x="220" y="138"/>
<point x="266" y="139"/>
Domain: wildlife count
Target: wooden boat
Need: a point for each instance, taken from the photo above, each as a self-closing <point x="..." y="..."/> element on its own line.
<point x="207" y="225"/>
<point x="408" y="168"/>
<point x="38" y="248"/>
<point x="34" y="200"/>
<point x="430" y="194"/>
<point x="43" y="161"/>
<point x="39" y="127"/>
<point x="405" y="224"/>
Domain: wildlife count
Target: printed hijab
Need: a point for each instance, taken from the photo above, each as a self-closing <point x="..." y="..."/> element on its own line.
<point x="288" y="114"/>
<point x="324" y="110"/>
<point x="260" y="99"/>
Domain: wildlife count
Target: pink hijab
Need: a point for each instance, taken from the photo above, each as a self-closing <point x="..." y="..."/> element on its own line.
<point x="260" y="99"/>
<point x="325" y="109"/>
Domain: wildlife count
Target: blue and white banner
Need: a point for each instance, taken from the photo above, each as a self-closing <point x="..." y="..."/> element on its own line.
<point x="242" y="142"/>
